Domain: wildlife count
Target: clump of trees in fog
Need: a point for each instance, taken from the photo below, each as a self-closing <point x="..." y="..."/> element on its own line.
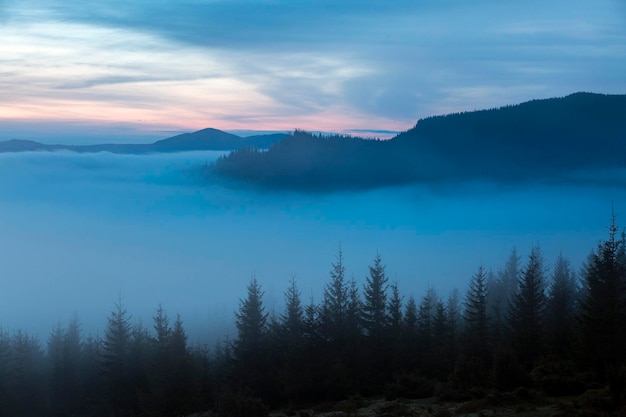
<point x="511" y="144"/>
<point x="528" y="324"/>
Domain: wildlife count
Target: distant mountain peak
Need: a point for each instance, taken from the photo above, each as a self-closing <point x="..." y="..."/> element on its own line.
<point x="209" y="139"/>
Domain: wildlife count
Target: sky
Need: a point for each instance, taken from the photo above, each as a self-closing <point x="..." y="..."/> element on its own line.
<point x="139" y="70"/>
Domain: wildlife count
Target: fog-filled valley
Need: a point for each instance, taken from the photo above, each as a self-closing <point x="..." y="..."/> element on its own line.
<point x="79" y="231"/>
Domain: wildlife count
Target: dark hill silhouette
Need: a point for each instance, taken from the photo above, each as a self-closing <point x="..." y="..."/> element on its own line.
<point x="540" y="140"/>
<point x="17" y="145"/>
<point x="315" y="162"/>
<point x="536" y="139"/>
<point x="206" y="139"/>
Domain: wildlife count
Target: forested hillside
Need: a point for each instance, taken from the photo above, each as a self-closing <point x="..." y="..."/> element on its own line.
<point x="527" y="323"/>
<point x="554" y="140"/>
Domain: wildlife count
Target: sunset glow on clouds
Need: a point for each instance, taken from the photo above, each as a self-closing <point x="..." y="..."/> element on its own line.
<point x="130" y="68"/>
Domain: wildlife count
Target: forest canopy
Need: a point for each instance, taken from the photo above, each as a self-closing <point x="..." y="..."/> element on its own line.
<point x="529" y="323"/>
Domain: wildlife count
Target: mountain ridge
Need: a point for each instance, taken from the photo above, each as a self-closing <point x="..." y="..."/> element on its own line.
<point x="201" y="140"/>
<point x="540" y="140"/>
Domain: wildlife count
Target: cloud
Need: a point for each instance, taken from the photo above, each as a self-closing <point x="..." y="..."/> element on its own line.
<point x="229" y="64"/>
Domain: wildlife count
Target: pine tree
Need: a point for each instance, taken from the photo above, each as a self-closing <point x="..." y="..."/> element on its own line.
<point x="26" y="388"/>
<point x="425" y="312"/>
<point x="561" y="307"/>
<point x="64" y="356"/>
<point x="115" y="362"/>
<point x="394" y="308"/>
<point x="500" y="290"/>
<point x="603" y="323"/>
<point x="162" y="329"/>
<point x="336" y="302"/>
<point x="410" y="343"/>
<point x="453" y="307"/>
<point x="291" y="344"/>
<point x="375" y="318"/>
<point x="250" y="348"/>
<point x="251" y="322"/>
<point x="170" y="367"/>
<point x="180" y="386"/>
<point x="526" y="314"/>
<point x="442" y="335"/>
<point x="475" y="315"/>
<point x="292" y="321"/>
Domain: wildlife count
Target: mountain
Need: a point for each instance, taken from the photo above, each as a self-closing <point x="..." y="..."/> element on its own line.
<point x="16" y="145"/>
<point x="557" y="139"/>
<point x="206" y="139"/>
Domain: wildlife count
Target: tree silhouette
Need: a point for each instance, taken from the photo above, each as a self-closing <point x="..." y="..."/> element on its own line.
<point x="374" y="312"/>
<point x="527" y="311"/>
<point x="334" y="310"/>
<point x="561" y="307"/>
<point x="115" y="362"/>
<point x="250" y="347"/>
<point x="603" y="323"/>
<point x="475" y="315"/>
<point x="500" y="290"/>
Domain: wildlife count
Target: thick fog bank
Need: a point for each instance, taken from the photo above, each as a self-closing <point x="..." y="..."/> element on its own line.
<point x="76" y="231"/>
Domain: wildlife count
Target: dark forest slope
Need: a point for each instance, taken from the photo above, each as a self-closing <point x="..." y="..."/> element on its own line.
<point x="548" y="139"/>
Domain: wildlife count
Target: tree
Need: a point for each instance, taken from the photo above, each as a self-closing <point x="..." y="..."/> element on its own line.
<point x="180" y="383"/>
<point x="64" y="357"/>
<point x="162" y="329"/>
<point x="251" y="322"/>
<point x="336" y="302"/>
<point x="500" y="290"/>
<point x="290" y="342"/>
<point x="527" y="311"/>
<point x="374" y="312"/>
<point x="442" y="340"/>
<point x="26" y="387"/>
<point x="115" y="362"/>
<point x="292" y="321"/>
<point x="561" y="307"/>
<point x="394" y="307"/>
<point x="424" y="336"/>
<point x="250" y="348"/>
<point x="475" y="315"/>
<point x="603" y="322"/>
<point x="453" y="307"/>
<point x="409" y="333"/>
<point x="170" y="367"/>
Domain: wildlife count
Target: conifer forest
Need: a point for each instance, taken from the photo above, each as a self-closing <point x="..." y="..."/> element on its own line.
<point x="527" y="323"/>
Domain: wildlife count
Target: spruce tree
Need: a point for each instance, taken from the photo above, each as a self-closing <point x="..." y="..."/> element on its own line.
<point x="425" y="313"/>
<point x="375" y="317"/>
<point x="115" y="362"/>
<point x="500" y="290"/>
<point x="526" y="314"/>
<point x="475" y="315"/>
<point x="603" y="322"/>
<point x="409" y="343"/>
<point x="292" y="321"/>
<point x="336" y="301"/>
<point x="561" y="307"/>
<point x="250" y="347"/>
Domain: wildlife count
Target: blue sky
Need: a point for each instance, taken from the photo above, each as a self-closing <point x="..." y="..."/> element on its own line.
<point x="142" y="70"/>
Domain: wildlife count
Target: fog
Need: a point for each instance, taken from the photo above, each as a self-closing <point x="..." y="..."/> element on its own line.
<point x="79" y="231"/>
